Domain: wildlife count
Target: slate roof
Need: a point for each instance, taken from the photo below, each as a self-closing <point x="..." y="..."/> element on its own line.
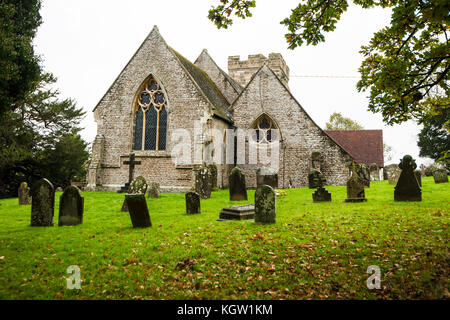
<point x="214" y="95"/>
<point x="365" y="146"/>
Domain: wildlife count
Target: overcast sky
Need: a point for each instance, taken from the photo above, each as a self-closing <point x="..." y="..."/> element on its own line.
<point x="86" y="44"/>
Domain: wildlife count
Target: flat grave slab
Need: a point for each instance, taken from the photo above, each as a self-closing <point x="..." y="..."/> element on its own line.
<point x="244" y="212"/>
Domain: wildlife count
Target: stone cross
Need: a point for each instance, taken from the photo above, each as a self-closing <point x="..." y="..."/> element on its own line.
<point x="131" y="163"/>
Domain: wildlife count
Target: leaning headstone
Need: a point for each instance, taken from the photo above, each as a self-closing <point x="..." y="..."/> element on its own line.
<point x="203" y="183"/>
<point x="213" y="172"/>
<point x="238" y="190"/>
<point x="137" y="206"/>
<point x="374" y="172"/>
<point x="321" y="195"/>
<point x="153" y="190"/>
<point x="71" y="207"/>
<point x="363" y="173"/>
<point x="24" y="194"/>
<point x="316" y="179"/>
<point x="265" y="205"/>
<point x="42" y="204"/>
<point x="192" y="203"/>
<point x="418" y="175"/>
<point x="268" y="176"/>
<point x="407" y="188"/>
<point x="244" y="212"/>
<point x="355" y="187"/>
<point x="137" y="186"/>
<point x="392" y="173"/>
<point x="440" y="176"/>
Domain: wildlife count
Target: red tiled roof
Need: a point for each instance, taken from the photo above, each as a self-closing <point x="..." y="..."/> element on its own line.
<point x="365" y="146"/>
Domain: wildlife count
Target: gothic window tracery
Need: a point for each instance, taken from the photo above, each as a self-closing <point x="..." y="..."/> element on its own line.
<point x="151" y="117"/>
<point x="265" y="130"/>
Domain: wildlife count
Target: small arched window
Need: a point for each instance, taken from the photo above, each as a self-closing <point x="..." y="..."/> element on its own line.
<point x="264" y="130"/>
<point x="151" y="117"/>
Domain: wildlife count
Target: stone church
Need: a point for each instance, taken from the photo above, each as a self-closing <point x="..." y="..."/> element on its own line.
<point x="160" y="91"/>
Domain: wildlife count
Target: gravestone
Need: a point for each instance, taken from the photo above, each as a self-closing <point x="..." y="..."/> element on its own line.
<point x="192" y="203"/>
<point x="355" y="187"/>
<point x="244" y="212"/>
<point x="407" y="188"/>
<point x="238" y="191"/>
<point x="268" y="176"/>
<point x="42" y="204"/>
<point x="203" y="183"/>
<point x="363" y="173"/>
<point x="153" y="190"/>
<point x="422" y="170"/>
<point x="316" y="179"/>
<point x="265" y="205"/>
<point x="392" y="173"/>
<point x="24" y="194"/>
<point x="59" y="189"/>
<point x="321" y="195"/>
<point x="71" y="207"/>
<point x="137" y="186"/>
<point x="418" y="175"/>
<point x="213" y="172"/>
<point x="374" y="172"/>
<point x="440" y="176"/>
<point x="137" y="206"/>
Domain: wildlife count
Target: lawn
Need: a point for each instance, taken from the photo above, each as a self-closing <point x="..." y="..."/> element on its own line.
<point x="314" y="251"/>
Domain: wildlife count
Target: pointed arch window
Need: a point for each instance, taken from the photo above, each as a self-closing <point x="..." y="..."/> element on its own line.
<point x="264" y="130"/>
<point x="151" y="117"/>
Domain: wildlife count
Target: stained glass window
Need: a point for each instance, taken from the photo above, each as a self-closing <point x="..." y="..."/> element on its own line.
<point x="265" y="130"/>
<point x="151" y="117"/>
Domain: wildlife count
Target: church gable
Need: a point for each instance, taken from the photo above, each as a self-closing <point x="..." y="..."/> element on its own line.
<point x="266" y="95"/>
<point x="230" y="88"/>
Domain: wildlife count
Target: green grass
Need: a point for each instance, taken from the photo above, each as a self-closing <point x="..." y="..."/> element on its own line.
<point x="314" y="251"/>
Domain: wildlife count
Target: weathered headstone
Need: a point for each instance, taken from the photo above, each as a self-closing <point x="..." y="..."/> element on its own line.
<point x="363" y="173"/>
<point x="392" y="173"/>
<point x="374" y="172"/>
<point x="440" y="176"/>
<point x="137" y="206"/>
<point x="59" y="189"/>
<point x="213" y="172"/>
<point x="238" y="190"/>
<point x="137" y="186"/>
<point x="418" y="175"/>
<point x="24" y="194"/>
<point x="244" y="212"/>
<point x="265" y="205"/>
<point x="316" y="179"/>
<point x="203" y="183"/>
<point x="407" y="188"/>
<point x="192" y="203"/>
<point x="268" y="176"/>
<point x="321" y="195"/>
<point x="355" y="187"/>
<point x="153" y="190"/>
<point x="71" y="207"/>
<point x="42" y="204"/>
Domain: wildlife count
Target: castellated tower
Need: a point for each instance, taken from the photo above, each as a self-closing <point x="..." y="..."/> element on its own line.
<point x="242" y="71"/>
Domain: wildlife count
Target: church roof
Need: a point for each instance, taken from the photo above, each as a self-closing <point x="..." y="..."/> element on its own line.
<point x="214" y="95"/>
<point x="365" y="146"/>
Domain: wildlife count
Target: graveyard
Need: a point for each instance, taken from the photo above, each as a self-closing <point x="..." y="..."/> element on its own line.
<point x="314" y="250"/>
